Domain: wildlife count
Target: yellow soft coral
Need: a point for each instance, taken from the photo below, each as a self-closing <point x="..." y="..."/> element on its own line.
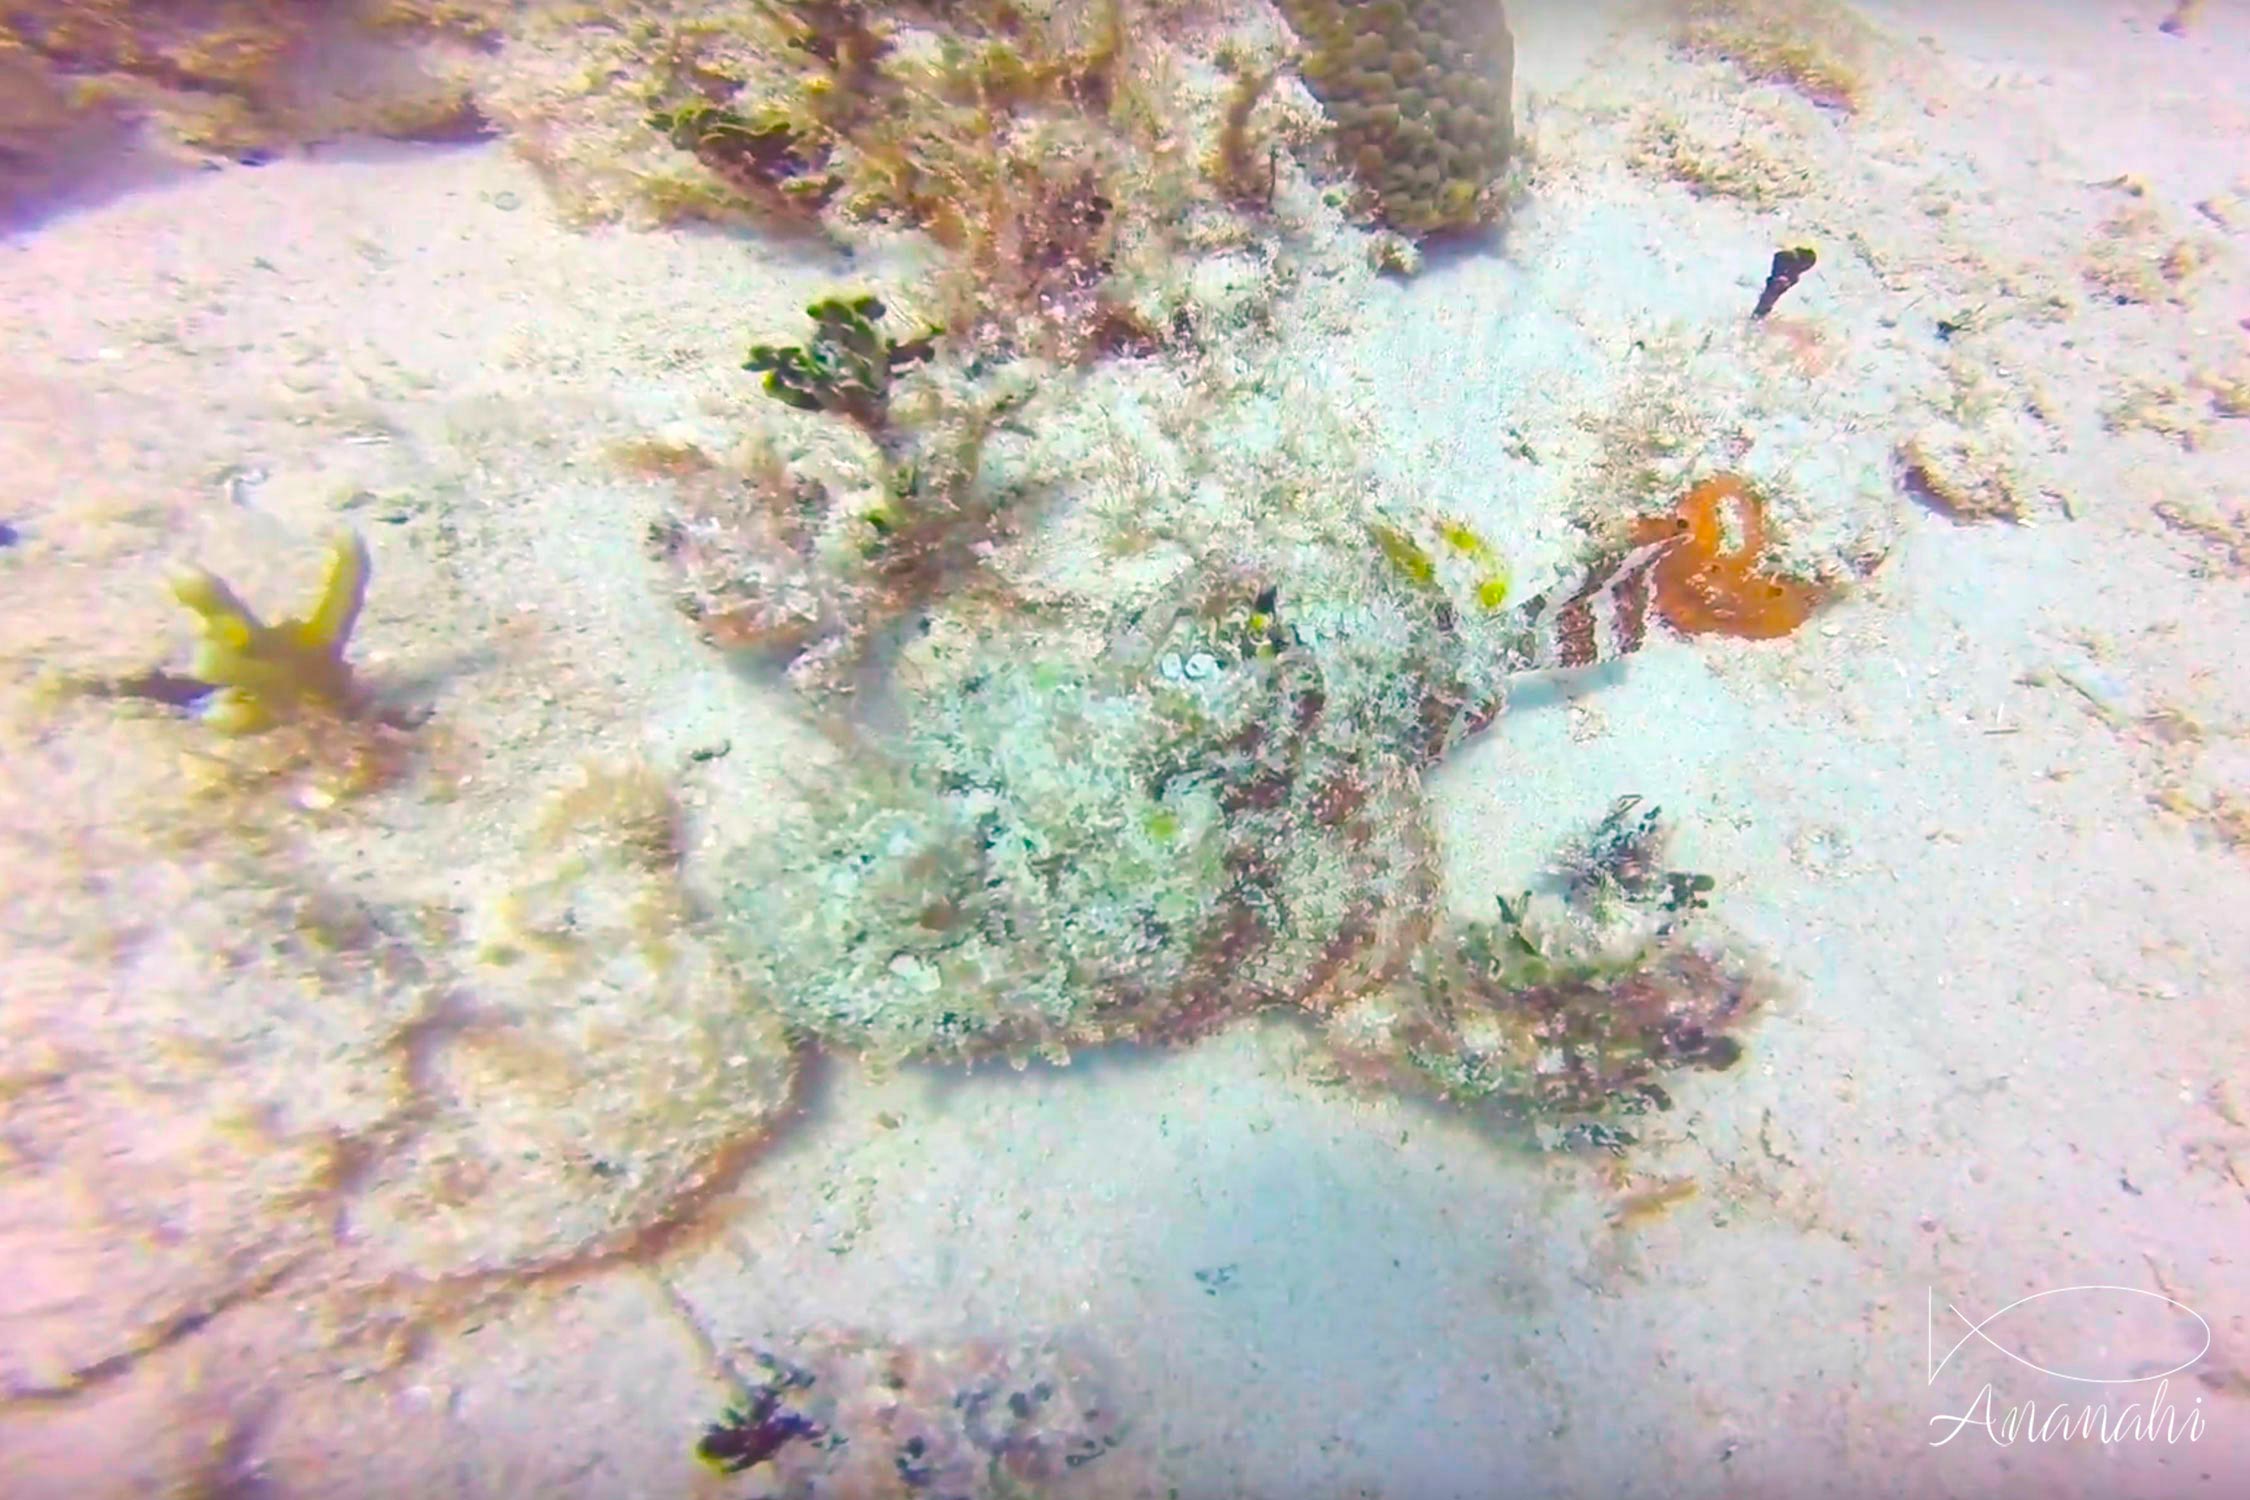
<point x="259" y="673"/>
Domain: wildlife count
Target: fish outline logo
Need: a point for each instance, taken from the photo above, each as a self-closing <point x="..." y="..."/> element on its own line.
<point x="1976" y="1330"/>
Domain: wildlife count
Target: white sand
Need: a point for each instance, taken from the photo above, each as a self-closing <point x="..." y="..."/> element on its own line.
<point x="2016" y="1058"/>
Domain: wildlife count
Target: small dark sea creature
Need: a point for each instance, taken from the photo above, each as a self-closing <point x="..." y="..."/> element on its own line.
<point x="1788" y="267"/>
<point x="749" y="1435"/>
<point x="1622" y="856"/>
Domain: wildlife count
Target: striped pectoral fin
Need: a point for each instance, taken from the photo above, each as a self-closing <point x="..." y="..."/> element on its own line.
<point x="1603" y="618"/>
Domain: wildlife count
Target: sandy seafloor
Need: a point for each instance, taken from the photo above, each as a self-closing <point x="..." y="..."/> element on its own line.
<point x="1974" y="815"/>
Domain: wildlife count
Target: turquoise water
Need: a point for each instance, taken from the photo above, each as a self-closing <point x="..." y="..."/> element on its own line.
<point x="1123" y="750"/>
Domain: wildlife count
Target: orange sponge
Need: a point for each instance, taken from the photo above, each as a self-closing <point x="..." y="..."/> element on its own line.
<point x="1705" y="586"/>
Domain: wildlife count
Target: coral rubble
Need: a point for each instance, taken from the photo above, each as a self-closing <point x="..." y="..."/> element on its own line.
<point x="1817" y="48"/>
<point x="839" y="1413"/>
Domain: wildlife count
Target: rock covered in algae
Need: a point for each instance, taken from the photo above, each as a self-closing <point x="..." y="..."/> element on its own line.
<point x="237" y="80"/>
<point x="594" y="1072"/>
<point x="247" y="1070"/>
<point x="178" y="1078"/>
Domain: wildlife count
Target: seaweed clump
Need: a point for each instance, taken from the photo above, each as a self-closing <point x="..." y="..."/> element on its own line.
<point x="845" y="367"/>
<point x="755" y="1430"/>
<point x="1545" y="1021"/>
<point x="1622" y="859"/>
<point x="814" y="571"/>
<point x="846" y="1414"/>
<point x="1559" y="1013"/>
<point x="1010" y="136"/>
<point x="770" y="162"/>
<point x="1027" y="148"/>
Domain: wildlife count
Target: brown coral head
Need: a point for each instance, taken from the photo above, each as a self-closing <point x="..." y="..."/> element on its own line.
<point x="1421" y="99"/>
